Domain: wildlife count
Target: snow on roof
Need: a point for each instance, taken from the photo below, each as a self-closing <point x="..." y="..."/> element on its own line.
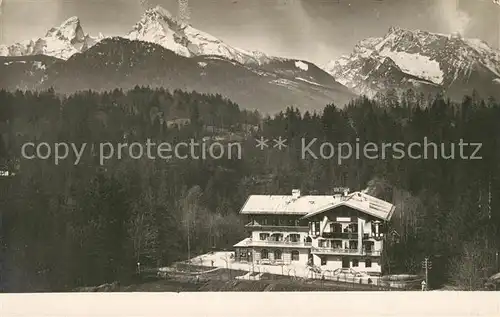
<point x="243" y="243"/>
<point x="308" y="206"/>
<point x="363" y="202"/>
<point x="284" y="204"/>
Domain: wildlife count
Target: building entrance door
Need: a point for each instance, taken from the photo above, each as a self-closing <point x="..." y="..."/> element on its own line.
<point x="345" y="262"/>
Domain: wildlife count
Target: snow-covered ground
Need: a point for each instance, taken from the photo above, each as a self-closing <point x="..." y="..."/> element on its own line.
<point x="226" y="260"/>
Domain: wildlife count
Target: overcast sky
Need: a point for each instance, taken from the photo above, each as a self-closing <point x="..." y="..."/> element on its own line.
<point x="316" y="30"/>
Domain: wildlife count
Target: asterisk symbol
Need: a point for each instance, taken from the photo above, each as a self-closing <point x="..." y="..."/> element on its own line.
<point x="280" y="143"/>
<point x="262" y="143"/>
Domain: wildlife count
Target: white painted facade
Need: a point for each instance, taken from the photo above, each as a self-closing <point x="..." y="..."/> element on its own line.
<point x="300" y="255"/>
<point x="334" y="262"/>
<point x="344" y="232"/>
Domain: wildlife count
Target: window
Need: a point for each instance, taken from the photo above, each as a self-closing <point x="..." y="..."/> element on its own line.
<point x="345" y="262"/>
<point x="353" y="245"/>
<point x="264" y="254"/>
<point x="294" y="237"/>
<point x="321" y="243"/>
<point x="277" y="255"/>
<point x="353" y="227"/>
<point x="368" y="263"/>
<point x="355" y="262"/>
<point x="243" y="253"/>
<point x="335" y="227"/>
<point x="375" y="226"/>
<point x="263" y="236"/>
<point x="368" y="246"/>
<point x="295" y="255"/>
<point x="277" y="237"/>
<point x="316" y="227"/>
<point x="323" y="260"/>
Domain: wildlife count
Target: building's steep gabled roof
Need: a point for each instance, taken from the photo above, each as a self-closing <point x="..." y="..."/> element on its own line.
<point x="365" y="203"/>
<point x="307" y="206"/>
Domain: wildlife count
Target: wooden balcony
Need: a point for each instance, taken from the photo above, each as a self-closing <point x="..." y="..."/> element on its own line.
<point x="254" y="225"/>
<point x="372" y="252"/>
<point x="340" y="235"/>
<point x="341" y="251"/>
<point x="273" y="243"/>
<point x="367" y="236"/>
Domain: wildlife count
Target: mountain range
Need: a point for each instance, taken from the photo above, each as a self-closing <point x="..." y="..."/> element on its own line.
<point x="161" y="51"/>
<point x="61" y="42"/>
<point x="418" y="59"/>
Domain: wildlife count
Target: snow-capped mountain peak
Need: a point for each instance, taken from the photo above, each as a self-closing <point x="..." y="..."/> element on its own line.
<point x="408" y="56"/>
<point x="158" y="15"/>
<point x="70" y="30"/>
<point x="157" y="25"/>
<point x="159" y="11"/>
<point x="62" y="42"/>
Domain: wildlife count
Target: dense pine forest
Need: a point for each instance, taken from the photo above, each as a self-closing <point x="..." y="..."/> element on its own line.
<point x="68" y="225"/>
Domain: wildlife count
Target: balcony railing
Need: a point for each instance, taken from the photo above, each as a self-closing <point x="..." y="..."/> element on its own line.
<point x="340" y="235"/>
<point x="334" y="250"/>
<point x="324" y="250"/>
<point x="286" y="226"/>
<point x="372" y="235"/>
<point x="269" y="242"/>
<point x="350" y="235"/>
